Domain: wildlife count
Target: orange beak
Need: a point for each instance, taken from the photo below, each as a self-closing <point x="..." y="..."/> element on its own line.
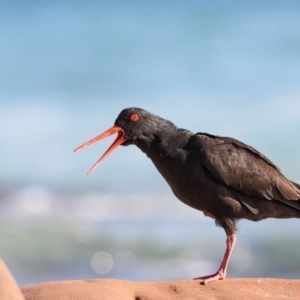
<point x="118" y="141"/>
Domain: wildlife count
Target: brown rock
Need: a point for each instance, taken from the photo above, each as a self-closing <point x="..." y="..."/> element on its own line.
<point x="8" y="287"/>
<point x="110" y="289"/>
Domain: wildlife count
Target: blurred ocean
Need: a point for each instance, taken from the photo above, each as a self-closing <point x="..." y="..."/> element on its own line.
<point x="69" y="67"/>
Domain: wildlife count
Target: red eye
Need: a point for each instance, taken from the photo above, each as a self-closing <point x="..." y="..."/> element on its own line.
<point x="134" y="117"/>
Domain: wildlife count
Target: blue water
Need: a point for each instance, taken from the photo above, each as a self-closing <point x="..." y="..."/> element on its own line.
<point x="68" y="68"/>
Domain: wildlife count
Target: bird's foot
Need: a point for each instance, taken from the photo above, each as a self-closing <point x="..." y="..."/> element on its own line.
<point x="220" y="275"/>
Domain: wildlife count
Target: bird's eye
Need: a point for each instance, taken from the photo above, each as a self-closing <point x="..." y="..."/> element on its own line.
<point x="134" y="117"/>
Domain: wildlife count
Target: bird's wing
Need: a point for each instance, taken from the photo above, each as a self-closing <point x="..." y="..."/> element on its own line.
<point x="244" y="169"/>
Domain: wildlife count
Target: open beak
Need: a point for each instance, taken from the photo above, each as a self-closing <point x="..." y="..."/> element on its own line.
<point x="118" y="141"/>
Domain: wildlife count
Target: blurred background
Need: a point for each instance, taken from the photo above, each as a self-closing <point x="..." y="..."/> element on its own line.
<point x="69" y="67"/>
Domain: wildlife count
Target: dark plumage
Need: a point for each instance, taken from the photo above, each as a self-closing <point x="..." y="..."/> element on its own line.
<point x="221" y="176"/>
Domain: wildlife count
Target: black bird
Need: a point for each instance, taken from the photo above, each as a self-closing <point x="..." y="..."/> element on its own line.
<point x="221" y="176"/>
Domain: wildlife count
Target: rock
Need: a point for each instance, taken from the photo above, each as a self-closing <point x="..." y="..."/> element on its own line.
<point x="8" y="287"/>
<point x="111" y="289"/>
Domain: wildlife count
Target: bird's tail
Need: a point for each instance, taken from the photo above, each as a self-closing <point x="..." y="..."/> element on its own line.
<point x="294" y="203"/>
<point x="297" y="188"/>
<point x="296" y="184"/>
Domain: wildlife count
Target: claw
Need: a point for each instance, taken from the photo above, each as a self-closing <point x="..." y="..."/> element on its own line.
<point x="214" y="277"/>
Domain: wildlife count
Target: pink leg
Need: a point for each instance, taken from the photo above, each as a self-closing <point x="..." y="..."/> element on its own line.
<point x="221" y="273"/>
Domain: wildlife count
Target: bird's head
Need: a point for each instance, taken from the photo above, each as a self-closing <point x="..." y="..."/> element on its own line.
<point x="133" y="126"/>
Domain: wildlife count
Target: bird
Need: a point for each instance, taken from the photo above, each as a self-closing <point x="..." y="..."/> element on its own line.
<point x="221" y="176"/>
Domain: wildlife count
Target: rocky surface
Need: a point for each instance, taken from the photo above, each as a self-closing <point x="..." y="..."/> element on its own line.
<point x="112" y="289"/>
<point x="8" y="287"/>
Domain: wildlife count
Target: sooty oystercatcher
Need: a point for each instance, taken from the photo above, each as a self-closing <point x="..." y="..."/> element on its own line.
<point x="221" y="176"/>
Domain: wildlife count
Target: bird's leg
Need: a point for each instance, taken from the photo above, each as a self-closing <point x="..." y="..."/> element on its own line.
<point x="221" y="273"/>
